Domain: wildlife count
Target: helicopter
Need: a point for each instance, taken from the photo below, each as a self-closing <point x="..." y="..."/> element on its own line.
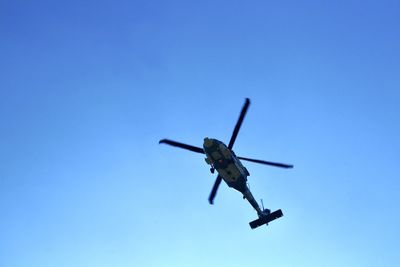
<point x="230" y="169"/>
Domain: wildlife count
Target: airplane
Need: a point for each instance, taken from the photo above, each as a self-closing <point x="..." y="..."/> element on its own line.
<point x="230" y="169"/>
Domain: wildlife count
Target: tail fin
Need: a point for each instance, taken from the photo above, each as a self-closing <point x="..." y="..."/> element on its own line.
<point x="266" y="219"/>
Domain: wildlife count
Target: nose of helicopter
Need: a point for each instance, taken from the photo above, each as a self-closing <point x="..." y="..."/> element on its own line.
<point x="207" y="143"/>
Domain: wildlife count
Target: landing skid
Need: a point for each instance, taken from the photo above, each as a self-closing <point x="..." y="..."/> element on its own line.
<point x="266" y="219"/>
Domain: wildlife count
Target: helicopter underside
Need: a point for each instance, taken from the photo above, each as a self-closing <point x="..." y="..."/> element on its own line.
<point x="230" y="169"/>
<point x="226" y="164"/>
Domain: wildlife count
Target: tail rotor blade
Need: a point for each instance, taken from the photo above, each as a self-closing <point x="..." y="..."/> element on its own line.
<point x="239" y="123"/>
<point x="214" y="190"/>
<point x="275" y="164"/>
<point x="181" y="145"/>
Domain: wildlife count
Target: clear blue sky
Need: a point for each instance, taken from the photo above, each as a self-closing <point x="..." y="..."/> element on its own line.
<point x="87" y="88"/>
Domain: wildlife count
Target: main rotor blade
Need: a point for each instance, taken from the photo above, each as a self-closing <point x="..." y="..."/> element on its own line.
<point x="239" y="123"/>
<point x="282" y="165"/>
<point x="181" y="145"/>
<point x="214" y="189"/>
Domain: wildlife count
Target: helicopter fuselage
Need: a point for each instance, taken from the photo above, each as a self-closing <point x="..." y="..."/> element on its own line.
<point x="229" y="167"/>
<point x="225" y="162"/>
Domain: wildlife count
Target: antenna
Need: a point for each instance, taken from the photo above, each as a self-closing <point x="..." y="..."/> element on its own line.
<point x="262" y="204"/>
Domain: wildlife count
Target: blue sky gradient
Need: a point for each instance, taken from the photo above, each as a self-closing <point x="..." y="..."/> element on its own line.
<point x="89" y="87"/>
